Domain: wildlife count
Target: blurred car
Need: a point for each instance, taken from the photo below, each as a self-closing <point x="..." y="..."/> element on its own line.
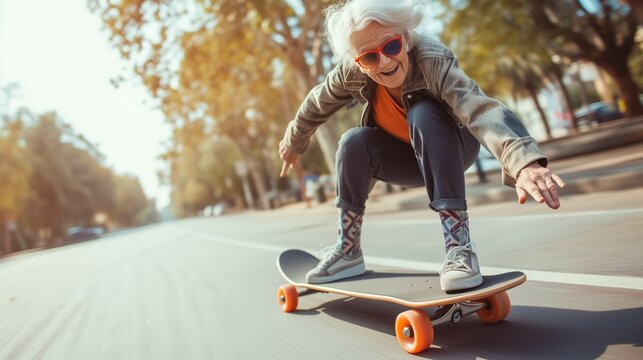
<point x="596" y="113"/>
<point x="78" y="233"/>
<point x="219" y="209"/>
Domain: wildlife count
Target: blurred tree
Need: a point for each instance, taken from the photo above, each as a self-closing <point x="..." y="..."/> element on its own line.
<point x="527" y="79"/>
<point x="554" y="69"/>
<point x="216" y="163"/>
<point x="599" y="31"/>
<point x="242" y="104"/>
<point x="202" y="45"/>
<point x="14" y="167"/>
<point x="495" y="31"/>
<point x="637" y="9"/>
<point x="636" y="63"/>
<point x="15" y="170"/>
<point x="501" y="59"/>
<point x="292" y="28"/>
<point x="51" y="182"/>
<point x="149" y="215"/>
<point x="132" y="208"/>
<point x="68" y="184"/>
<point x="190" y="193"/>
<point x="53" y="178"/>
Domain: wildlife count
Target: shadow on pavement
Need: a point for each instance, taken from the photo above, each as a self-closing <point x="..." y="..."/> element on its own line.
<point x="528" y="333"/>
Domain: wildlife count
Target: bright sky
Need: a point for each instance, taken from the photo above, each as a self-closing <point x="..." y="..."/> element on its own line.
<point x="60" y="57"/>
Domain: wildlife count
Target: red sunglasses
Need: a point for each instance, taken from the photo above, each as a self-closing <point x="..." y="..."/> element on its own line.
<point x="369" y="59"/>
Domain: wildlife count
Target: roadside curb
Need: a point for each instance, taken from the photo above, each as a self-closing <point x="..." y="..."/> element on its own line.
<point x="613" y="135"/>
<point x="608" y="182"/>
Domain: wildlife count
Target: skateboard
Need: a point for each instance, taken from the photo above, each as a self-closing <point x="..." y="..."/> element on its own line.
<point x="414" y="290"/>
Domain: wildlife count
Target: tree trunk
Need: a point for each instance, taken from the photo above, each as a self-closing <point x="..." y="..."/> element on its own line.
<point x="5" y="236"/>
<point x="328" y="138"/>
<point x="619" y="70"/>
<point x="257" y="177"/>
<point x="254" y="170"/>
<point x="567" y="101"/>
<point x="56" y="229"/>
<point x="637" y="9"/>
<point x="326" y="134"/>
<point x="534" y="97"/>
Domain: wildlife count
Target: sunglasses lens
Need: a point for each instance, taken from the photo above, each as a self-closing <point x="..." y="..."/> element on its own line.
<point x="392" y="47"/>
<point x="368" y="60"/>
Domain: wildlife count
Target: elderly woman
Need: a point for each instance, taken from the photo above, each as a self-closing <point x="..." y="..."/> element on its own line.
<point x="422" y="125"/>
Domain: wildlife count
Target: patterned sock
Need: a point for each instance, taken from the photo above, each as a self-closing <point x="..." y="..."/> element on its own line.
<point x="350" y="228"/>
<point x="455" y="227"/>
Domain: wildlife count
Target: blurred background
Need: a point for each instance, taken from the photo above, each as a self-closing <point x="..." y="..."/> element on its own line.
<point x="118" y="114"/>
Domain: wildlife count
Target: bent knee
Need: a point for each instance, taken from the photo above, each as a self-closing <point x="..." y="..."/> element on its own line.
<point x="430" y="114"/>
<point x="355" y="137"/>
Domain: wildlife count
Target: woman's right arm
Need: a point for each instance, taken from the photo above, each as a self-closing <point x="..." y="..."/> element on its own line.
<point x="320" y="104"/>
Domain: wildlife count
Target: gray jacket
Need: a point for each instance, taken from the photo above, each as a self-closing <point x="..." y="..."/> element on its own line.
<point x="433" y="73"/>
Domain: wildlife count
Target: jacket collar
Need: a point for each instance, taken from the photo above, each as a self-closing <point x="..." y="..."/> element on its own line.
<point x="415" y="78"/>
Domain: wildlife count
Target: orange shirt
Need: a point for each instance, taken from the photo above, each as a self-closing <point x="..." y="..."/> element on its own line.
<point x="390" y="116"/>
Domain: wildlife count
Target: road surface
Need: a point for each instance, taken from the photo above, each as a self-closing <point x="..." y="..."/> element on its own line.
<point x="205" y="288"/>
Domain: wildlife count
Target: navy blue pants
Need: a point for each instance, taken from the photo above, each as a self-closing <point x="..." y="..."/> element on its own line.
<point x="437" y="157"/>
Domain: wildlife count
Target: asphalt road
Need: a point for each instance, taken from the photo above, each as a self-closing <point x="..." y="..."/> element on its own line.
<point x="206" y="288"/>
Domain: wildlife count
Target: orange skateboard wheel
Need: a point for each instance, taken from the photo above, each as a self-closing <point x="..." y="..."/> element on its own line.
<point x="497" y="310"/>
<point x="414" y="331"/>
<point x="288" y="297"/>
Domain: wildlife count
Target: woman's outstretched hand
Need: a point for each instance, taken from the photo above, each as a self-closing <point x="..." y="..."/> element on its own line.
<point x="540" y="183"/>
<point x="288" y="157"/>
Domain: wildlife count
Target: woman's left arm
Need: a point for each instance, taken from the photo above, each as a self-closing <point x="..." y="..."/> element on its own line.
<point x="523" y="163"/>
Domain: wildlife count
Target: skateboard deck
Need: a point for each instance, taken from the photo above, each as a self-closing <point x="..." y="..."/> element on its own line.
<point x="415" y="290"/>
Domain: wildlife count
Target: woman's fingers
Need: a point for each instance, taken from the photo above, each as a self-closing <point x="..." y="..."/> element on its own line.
<point x="535" y="193"/>
<point x="289" y="161"/>
<point x="522" y="195"/>
<point x="284" y="169"/>
<point x="288" y="157"/>
<point x="553" y="192"/>
<point x="558" y="180"/>
<point x="542" y="187"/>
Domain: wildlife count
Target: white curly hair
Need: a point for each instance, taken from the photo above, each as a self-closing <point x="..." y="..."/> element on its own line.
<point x="406" y="17"/>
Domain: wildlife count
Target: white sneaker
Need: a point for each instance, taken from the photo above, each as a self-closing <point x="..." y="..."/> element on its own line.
<point x="335" y="266"/>
<point x="460" y="270"/>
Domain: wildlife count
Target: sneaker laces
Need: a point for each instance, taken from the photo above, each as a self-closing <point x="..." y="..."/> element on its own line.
<point x="459" y="258"/>
<point x="323" y="250"/>
<point x="324" y="255"/>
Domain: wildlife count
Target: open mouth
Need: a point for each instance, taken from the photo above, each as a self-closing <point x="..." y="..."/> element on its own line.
<point x="393" y="71"/>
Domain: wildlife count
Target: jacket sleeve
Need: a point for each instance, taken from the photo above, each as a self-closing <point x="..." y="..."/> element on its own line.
<point x="491" y="122"/>
<point x="320" y="104"/>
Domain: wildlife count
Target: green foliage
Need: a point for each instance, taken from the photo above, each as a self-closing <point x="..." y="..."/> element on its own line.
<point x="497" y="43"/>
<point x="526" y="34"/>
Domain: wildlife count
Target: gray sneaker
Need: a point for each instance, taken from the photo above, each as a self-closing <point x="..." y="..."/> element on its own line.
<point x="460" y="270"/>
<point x="334" y="265"/>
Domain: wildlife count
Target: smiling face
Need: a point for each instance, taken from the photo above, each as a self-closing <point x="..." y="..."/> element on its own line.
<point x="390" y="71"/>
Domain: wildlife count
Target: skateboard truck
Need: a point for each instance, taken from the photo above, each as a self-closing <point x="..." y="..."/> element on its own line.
<point x="455" y="312"/>
<point x="450" y="313"/>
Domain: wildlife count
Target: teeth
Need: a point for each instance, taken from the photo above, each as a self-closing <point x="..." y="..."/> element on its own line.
<point x="392" y="70"/>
